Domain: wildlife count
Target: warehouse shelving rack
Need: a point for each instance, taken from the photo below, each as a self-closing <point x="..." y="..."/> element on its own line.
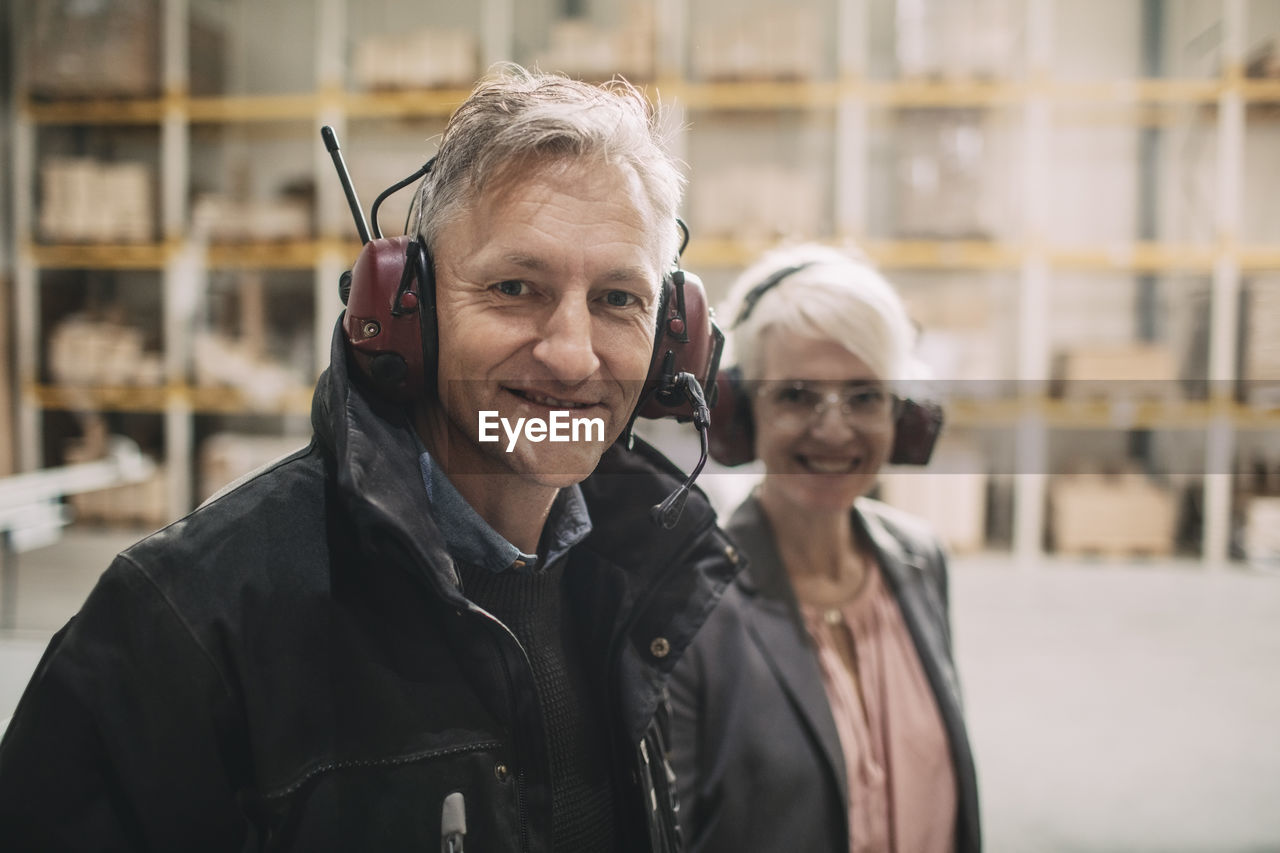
<point x="849" y="98"/>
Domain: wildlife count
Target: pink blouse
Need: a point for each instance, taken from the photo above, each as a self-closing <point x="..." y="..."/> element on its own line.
<point x="902" y="790"/>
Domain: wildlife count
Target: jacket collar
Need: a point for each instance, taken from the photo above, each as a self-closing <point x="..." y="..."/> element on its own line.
<point x="766" y="576"/>
<point x="650" y="589"/>
<point x="373" y="447"/>
<point x="638" y="590"/>
<point x="471" y="540"/>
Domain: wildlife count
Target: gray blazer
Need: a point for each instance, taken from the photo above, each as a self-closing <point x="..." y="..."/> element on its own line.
<point x="755" y="750"/>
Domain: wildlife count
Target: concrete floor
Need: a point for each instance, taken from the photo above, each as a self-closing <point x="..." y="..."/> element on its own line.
<point x="1122" y="708"/>
<point x="1111" y="707"/>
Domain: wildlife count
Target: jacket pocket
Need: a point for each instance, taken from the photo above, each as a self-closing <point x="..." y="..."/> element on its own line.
<point x="394" y="803"/>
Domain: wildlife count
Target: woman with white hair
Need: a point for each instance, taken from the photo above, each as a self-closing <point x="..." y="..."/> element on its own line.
<point x="819" y="708"/>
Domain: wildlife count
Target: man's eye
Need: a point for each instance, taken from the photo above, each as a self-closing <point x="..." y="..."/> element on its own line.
<point x="620" y="298"/>
<point x="511" y="288"/>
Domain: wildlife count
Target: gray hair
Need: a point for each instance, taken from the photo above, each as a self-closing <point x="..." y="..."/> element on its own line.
<point x="836" y="295"/>
<point x="516" y="119"/>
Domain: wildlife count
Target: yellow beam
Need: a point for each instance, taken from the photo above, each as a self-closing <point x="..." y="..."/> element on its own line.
<point x="1135" y="257"/>
<point x="117" y="256"/>
<point x="234" y="108"/>
<point x="423" y="103"/>
<point x="100" y="398"/>
<point x="761" y="95"/>
<point x="97" y="111"/>
<point x="299" y="254"/>
<point x="1259" y="257"/>
<point x="156" y="399"/>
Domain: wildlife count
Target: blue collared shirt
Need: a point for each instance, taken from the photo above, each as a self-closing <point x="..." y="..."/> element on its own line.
<point x="471" y="540"/>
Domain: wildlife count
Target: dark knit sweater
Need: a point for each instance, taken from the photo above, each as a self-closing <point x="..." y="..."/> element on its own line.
<point x="535" y="607"/>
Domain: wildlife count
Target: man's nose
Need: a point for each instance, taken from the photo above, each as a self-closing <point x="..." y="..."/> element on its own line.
<point x="567" y="348"/>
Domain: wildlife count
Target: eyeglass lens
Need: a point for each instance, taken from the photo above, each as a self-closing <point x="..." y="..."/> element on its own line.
<point x="801" y="402"/>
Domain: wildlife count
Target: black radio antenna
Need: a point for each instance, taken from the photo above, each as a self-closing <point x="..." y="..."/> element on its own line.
<point x="331" y="142"/>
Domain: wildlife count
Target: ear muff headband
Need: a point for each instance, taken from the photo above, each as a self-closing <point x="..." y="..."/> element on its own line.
<point x="754" y="294"/>
<point x="732" y="434"/>
<point x="428" y="323"/>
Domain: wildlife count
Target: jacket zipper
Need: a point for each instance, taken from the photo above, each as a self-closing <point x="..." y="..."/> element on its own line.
<point x="522" y="815"/>
<point x="635" y="761"/>
<point x="637" y="756"/>
<point x="651" y="806"/>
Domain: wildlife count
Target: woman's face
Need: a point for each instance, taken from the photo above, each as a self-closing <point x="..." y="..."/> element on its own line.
<point x="823" y="422"/>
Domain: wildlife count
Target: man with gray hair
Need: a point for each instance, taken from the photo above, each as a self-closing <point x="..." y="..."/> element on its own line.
<point x="410" y="635"/>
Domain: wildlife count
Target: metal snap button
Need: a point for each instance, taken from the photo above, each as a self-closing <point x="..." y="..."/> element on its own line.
<point x="500" y="770"/>
<point x="660" y="648"/>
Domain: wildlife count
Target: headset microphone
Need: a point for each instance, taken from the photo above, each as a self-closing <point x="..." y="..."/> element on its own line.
<point x="667" y="513"/>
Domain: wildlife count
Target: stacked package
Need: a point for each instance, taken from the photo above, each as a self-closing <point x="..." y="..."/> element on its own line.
<point x="84" y="200"/>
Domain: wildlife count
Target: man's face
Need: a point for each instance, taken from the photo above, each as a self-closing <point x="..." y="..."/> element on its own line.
<point x="547" y="291"/>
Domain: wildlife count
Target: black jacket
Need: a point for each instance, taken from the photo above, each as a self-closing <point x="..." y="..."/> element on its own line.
<point x="755" y="748"/>
<point x="293" y="666"/>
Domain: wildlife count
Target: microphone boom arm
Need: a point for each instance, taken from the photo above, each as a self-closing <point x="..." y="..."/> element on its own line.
<point x="667" y="513"/>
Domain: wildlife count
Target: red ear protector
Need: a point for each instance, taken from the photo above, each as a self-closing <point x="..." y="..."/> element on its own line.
<point x="390" y="321"/>
<point x="732" y="436"/>
<point x="390" y="326"/>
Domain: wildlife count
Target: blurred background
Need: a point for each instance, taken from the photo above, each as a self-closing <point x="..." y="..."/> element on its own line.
<point x="1079" y="199"/>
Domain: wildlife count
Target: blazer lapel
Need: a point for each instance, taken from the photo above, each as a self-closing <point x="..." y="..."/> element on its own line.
<point x="778" y="630"/>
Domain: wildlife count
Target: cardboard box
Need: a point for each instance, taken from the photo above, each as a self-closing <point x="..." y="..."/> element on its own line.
<point x="144" y="504"/>
<point x="1260" y="367"/>
<point x="726" y="202"/>
<point x="6" y="387"/>
<point x="225" y="457"/>
<point x="954" y="504"/>
<point x="91" y="201"/>
<point x="1123" y="515"/>
<point x="777" y="46"/>
<point x="580" y="48"/>
<point x="220" y="219"/>
<point x="94" y="352"/>
<point x="958" y="39"/>
<point x="1121" y="370"/>
<point x="106" y="48"/>
<point x="944" y="162"/>
<point x="1262" y="531"/>
<point x="222" y="361"/>
<point x="421" y="59"/>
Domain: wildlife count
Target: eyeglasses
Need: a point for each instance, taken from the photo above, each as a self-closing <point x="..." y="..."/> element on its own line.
<point x="801" y="405"/>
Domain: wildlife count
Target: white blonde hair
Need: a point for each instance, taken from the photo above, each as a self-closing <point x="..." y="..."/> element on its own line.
<point x="834" y="295"/>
